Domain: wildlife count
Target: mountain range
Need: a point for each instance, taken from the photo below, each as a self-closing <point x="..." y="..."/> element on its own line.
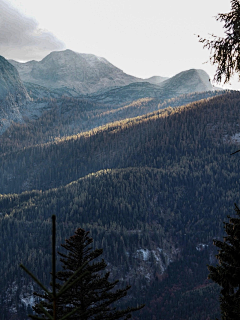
<point x="78" y="74"/>
<point x="143" y="164"/>
<point x="28" y="89"/>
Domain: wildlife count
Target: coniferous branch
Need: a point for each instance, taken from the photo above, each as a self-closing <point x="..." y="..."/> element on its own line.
<point x="35" y="279"/>
<point x="234" y="152"/>
<point x="226" y="50"/>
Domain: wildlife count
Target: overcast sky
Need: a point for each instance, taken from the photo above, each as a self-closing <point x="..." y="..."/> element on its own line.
<point x="142" y="37"/>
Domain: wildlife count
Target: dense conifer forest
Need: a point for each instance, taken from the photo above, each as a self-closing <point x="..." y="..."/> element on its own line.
<point x="152" y="190"/>
<point x="67" y="116"/>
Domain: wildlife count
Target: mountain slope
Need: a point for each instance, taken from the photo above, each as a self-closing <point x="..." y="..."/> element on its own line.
<point x="12" y="95"/>
<point x="11" y="86"/>
<point x="121" y="144"/>
<point x="51" y="120"/>
<point x="73" y="73"/>
<point x="166" y="183"/>
<point x="193" y="80"/>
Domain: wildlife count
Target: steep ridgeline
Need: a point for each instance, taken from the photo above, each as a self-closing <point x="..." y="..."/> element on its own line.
<point x="12" y="94"/>
<point x="73" y="74"/>
<point x="153" y="191"/>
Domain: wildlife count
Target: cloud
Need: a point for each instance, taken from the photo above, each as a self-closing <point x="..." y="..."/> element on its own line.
<point x="21" y="38"/>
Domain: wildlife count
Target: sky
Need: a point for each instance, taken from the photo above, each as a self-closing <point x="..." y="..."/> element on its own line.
<point x="142" y="37"/>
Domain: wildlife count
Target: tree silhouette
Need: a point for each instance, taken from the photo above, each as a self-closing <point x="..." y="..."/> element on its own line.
<point x="92" y="295"/>
<point x="226" y="50"/>
<point x="54" y="296"/>
<point x="227" y="273"/>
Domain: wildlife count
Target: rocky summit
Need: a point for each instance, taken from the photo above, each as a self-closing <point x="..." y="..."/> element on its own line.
<point x="75" y="73"/>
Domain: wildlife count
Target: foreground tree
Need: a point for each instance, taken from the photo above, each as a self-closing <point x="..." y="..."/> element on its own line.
<point x="54" y="296"/>
<point x="92" y="295"/>
<point x="227" y="273"/>
<point x="226" y="51"/>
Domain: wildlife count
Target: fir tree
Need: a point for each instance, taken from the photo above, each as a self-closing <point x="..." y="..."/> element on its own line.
<point x="226" y="50"/>
<point x="93" y="294"/>
<point x="227" y="273"/>
<point x="54" y="296"/>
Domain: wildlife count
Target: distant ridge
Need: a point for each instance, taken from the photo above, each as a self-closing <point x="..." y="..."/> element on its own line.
<point x="185" y="82"/>
<point x="78" y="74"/>
<point x="156" y="79"/>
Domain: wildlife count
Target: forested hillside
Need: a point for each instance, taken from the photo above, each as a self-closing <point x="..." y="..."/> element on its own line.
<point x="67" y="116"/>
<point x="167" y="139"/>
<point x="153" y="190"/>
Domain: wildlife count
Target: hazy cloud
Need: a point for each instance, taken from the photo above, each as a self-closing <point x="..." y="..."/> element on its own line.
<point x="21" y="38"/>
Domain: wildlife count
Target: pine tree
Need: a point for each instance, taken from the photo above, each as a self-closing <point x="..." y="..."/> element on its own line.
<point x="226" y="51"/>
<point x="227" y="273"/>
<point x="54" y="295"/>
<point x="93" y="294"/>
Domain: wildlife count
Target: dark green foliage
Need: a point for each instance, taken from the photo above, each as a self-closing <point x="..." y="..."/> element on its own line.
<point x="157" y="140"/>
<point x="162" y="179"/>
<point x="93" y="294"/>
<point x="227" y="273"/>
<point x="226" y="51"/>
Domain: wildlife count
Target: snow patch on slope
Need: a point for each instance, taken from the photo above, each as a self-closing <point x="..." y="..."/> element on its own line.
<point x="235" y="138"/>
<point x="161" y="258"/>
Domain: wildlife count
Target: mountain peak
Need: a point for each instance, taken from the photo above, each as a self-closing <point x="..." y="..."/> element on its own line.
<point x="192" y="80"/>
<point x="78" y="73"/>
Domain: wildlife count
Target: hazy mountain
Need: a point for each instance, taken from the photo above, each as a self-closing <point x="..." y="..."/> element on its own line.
<point x="185" y="82"/>
<point x="193" y="80"/>
<point x="75" y="73"/>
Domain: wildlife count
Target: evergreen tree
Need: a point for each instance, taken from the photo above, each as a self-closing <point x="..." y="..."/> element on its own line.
<point x="93" y="294"/>
<point x="54" y="296"/>
<point x="227" y="273"/>
<point x="226" y="51"/>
